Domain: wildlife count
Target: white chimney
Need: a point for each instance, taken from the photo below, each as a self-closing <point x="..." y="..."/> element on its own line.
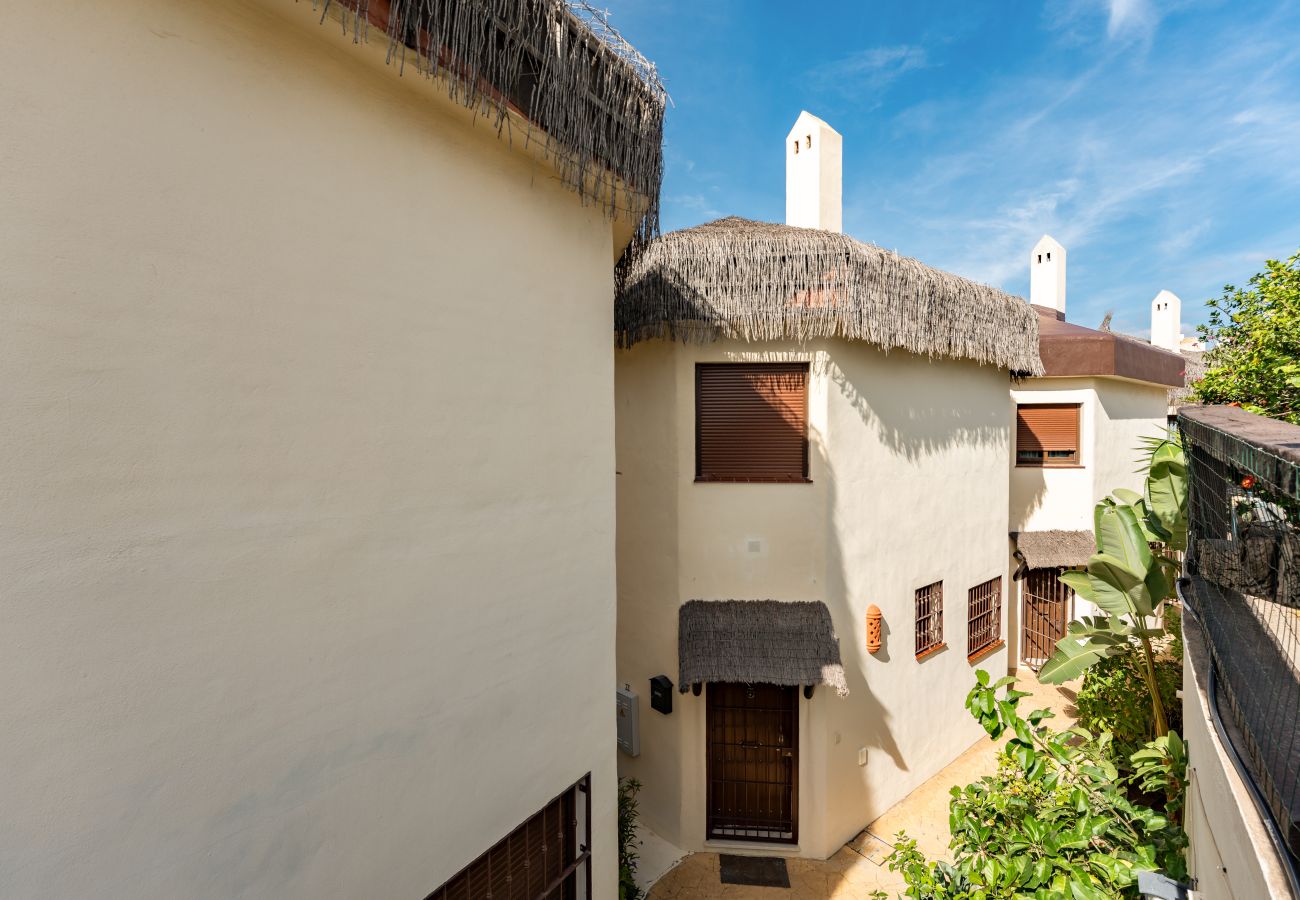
<point x="1047" y="275"/>
<point x="813" y="174"/>
<point x="1166" y="321"/>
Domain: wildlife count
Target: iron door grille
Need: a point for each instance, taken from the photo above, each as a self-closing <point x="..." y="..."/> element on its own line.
<point x="929" y="618"/>
<point x="542" y="859"/>
<point x="1047" y="434"/>
<point x="1046" y="615"/>
<point x="753" y="763"/>
<point x="751" y="422"/>
<point x="984" y="616"/>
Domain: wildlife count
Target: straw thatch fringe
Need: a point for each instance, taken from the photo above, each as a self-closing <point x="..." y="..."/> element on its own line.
<point x="1055" y="549"/>
<point x="758" y="642"/>
<point x="595" y="103"/>
<point x="757" y="281"/>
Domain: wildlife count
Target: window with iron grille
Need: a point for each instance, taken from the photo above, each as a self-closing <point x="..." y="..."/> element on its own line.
<point x="542" y="859"/>
<point x="751" y="422"/>
<point x="1047" y="434"/>
<point x="984" y="616"/>
<point x="929" y="619"/>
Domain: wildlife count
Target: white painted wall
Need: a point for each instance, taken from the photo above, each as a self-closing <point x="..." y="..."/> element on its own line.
<point x="814" y="175"/>
<point x="1116" y="414"/>
<point x="1047" y="274"/>
<point x="309" y="563"/>
<point x="909" y="486"/>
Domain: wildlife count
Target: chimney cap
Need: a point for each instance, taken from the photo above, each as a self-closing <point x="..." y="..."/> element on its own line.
<point x="1047" y="242"/>
<point x="806" y="120"/>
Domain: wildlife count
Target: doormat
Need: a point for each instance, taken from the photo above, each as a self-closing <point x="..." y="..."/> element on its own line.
<point x="759" y="871"/>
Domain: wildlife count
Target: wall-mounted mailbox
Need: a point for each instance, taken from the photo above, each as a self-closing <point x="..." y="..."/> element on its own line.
<point x="629" y="722"/>
<point x="661" y="694"/>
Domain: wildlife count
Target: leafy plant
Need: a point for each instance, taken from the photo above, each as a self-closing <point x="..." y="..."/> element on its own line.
<point x="628" y="856"/>
<point x="1255" y="360"/>
<point x="1161" y="766"/>
<point x="1126" y="579"/>
<point x="1055" y="821"/>
<point x="1105" y="701"/>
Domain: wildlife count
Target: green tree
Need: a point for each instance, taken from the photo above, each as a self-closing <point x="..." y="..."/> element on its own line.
<point x="1255" y="357"/>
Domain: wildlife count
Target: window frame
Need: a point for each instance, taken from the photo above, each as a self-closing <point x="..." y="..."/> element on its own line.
<point x="932" y="596"/>
<point x="564" y="884"/>
<point x="705" y="478"/>
<point x="1073" y="461"/>
<point x="993" y="615"/>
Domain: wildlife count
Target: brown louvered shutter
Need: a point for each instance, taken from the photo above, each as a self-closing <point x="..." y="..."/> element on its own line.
<point x="751" y="422"/>
<point x="1047" y="434"/>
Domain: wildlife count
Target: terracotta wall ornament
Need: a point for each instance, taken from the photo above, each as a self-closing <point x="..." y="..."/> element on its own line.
<point x="873" y="628"/>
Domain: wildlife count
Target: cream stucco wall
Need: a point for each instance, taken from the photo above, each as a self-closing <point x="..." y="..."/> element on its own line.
<point x="309" y="570"/>
<point x="908" y="469"/>
<point x="1116" y="414"/>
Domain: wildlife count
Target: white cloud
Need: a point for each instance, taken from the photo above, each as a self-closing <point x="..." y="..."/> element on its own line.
<point x="868" y="72"/>
<point x="1136" y="18"/>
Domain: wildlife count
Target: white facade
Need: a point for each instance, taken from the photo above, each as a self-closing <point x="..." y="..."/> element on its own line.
<point x="309" y="567"/>
<point x="813" y="175"/>
<point x="908" y="487"/>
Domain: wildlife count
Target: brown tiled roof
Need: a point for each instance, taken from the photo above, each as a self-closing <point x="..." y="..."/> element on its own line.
<point x="1069" y="349"/>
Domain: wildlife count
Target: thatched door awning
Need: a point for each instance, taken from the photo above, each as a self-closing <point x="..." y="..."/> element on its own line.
<point x="1055" y="549"/>
<point x="758" y="642"/>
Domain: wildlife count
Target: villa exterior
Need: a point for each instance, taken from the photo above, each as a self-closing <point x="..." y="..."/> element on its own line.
<point x="309" y="565"/>
<point x="1079" y="432"/>
<point x="817" y="431"/>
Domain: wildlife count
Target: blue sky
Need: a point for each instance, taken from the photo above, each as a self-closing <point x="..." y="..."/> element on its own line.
<point x="1158" y="141"/>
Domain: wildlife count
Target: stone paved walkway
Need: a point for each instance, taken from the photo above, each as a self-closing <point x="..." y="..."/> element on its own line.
<point x="857" y="870"/>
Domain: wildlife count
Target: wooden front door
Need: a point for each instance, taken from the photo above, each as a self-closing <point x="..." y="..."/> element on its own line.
<point x="1046" y="615"/>
<point x="753" y="762"/>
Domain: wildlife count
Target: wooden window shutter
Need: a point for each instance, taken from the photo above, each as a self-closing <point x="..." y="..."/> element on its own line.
<point x="1047" y="434"/>
<point x="751" y="422"/>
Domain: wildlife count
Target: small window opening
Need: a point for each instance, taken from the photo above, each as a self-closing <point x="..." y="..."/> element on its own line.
<point x="1049" y="257"/>
<point x="1040" y="257"/>
<point x="808" y="141"/>
<point x="796" y="148"/>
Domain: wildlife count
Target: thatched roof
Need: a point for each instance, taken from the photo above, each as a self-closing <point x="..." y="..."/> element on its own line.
<point x="758" y="642"/>
<point x="1196" y="366"/>
<point x="1055" y="549"/>
<point x="596" y="103"/>
<point x="757" y="281"/>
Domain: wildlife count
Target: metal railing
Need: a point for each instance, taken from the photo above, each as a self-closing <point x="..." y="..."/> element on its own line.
<point x="1243" y="584"/>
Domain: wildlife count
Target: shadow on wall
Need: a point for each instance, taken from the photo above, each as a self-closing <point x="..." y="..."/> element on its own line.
<point x="906" y="429"/>
<point x="1028" y="492"/>
<point x="878" y="734"/>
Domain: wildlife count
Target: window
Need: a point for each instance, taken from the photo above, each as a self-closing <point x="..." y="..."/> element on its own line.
<point x="542" y="859"/>
<point x="984" y="617"/>
<point x="1047" y="434"/>
<point x="751" y="422"/>
<point x="929" y="619"/>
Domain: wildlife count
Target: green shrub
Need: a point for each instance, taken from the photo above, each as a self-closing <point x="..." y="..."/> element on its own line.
<point x="1056" y="820"/>
<point x="1110" y="698"/>
<point x="627" y="842"/>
